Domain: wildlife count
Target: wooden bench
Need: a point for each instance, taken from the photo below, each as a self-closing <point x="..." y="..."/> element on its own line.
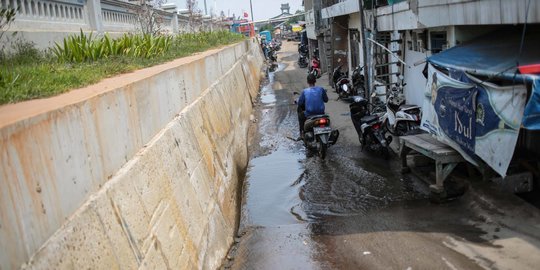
<point x="445" y="157"/>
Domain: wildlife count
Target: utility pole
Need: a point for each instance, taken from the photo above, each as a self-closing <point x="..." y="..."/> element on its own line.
<point x="205" y="9"/>
<point x="251" y="7"/>
<point x="367" y="81"/>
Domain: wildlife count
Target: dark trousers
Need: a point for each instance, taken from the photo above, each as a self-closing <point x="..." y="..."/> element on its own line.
<point x="301" y="121"/>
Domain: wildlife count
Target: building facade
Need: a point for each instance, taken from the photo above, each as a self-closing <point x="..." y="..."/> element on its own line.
<point x="401" y="34"/>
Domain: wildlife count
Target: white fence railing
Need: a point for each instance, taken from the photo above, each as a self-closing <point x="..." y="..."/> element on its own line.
<point x="45" y="10"/>
<point x="47" y="21"/>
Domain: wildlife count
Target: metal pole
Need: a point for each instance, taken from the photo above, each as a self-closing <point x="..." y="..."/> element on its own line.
<point x="205" y="9"/>
<point x="251" y="7"/>
<point x="367" y="81"/>
<point x="389" y="51"/>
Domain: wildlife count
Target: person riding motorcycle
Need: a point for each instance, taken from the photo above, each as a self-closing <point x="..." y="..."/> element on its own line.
<point x="264" y="47"/>
<point x="311" y="102"/>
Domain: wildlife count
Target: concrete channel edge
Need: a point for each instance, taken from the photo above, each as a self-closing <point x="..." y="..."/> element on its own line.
<point x="163" y="197"/>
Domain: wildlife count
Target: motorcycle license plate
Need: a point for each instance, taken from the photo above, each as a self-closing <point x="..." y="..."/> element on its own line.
<point x="321" y="130"/>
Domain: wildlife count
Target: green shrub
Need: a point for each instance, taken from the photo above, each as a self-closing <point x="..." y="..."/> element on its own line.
<point x="84" y="47"/>
<point x="84" y="59"/>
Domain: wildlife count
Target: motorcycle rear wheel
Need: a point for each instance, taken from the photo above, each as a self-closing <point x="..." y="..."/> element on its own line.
<point x="322" y="150"/>
<point x="389" y="127"/>
<point x="402" y="128"/>
<point x="343" y="94"/>
<point x="385" y="153"/>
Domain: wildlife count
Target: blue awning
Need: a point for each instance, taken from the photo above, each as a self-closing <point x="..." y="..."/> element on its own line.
<point x="496" y="55"/>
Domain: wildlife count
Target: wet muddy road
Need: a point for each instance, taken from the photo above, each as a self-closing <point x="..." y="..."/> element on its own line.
<point x="354" y="210"/>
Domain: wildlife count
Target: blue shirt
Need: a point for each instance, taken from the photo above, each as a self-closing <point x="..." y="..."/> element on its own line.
<point x="313" y="99"/>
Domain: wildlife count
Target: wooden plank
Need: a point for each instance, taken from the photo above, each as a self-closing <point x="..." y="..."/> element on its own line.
<point x="439" y="174"/>
<point x="448" y="168"/>
<point x="432" y="148"/>
<point x="426" y="142"/>
<point x="445" y="152"/>
<point x="427" y="146"/>
<point x="427" y="139"/>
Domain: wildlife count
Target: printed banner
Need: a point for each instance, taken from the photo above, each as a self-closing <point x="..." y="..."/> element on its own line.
<point x="455" y="109"/>
<point x="476" y="118"/>
<point x="531" y="119"/>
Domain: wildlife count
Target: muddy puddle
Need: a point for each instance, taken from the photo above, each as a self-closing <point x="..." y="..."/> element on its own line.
<point x="271" y="196"/>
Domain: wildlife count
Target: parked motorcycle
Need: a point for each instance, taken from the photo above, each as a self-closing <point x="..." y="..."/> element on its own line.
<point x="345" y="89"/>
<point x="358" y="80"/>
<point x="319" y="135"/>
<point x="272" y="54"/>
<point x="275" y="44"/>
<point x="336" y="75"/>
<point x="302" y="55"/>
<point x="371" y="132"/>
<point x="400" y="118"/>
<point x="342" y="84"/>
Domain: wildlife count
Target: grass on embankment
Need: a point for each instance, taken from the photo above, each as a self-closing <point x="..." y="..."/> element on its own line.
<point x="29" y="74"/>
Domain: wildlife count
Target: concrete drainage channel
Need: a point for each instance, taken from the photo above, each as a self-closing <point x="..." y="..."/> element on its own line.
<point x="140" y="171"/>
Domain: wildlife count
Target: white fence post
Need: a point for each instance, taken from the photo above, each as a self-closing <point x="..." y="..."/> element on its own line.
<point x="94" y="15"/>
<point x="174" y="23"/>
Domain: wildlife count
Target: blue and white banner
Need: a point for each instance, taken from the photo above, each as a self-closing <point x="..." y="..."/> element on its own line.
<point x="531" y="119"/>
<point x="478" y="119"/>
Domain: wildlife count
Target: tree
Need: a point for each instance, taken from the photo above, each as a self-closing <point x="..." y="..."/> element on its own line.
<point x="148" y="19"/>
<point x="191" y="5"/>
<point x="7" y="16"/>
<point x="294" y="20"/>
<point x="267" y="27"/>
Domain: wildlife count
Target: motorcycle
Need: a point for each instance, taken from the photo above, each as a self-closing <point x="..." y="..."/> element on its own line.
<point x="369" y="128"/>
<point x="315" y="67"/>
<point x="275" y="44"/>
<point x="272" y="54"/>
<point x="336" y="75"/>
<point x="358" y="80"/>
<point x="302" y="56"/>
<point x="345" y="90"/>
<point x="319" y="135"/>
<point x="400" y="118"/>
<point x="341" y="83"/>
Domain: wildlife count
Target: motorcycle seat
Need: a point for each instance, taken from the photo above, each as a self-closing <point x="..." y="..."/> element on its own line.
<point x="313" y="117"/>
<point x="369" y="118"/>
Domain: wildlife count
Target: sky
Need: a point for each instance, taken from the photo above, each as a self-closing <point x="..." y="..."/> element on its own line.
<point x="262" y="9"/>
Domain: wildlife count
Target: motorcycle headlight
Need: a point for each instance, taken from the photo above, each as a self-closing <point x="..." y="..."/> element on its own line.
<point x="345" y="87"/>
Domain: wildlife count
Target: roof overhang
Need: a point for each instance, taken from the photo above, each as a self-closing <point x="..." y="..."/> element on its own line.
<point x="495" y="55"/>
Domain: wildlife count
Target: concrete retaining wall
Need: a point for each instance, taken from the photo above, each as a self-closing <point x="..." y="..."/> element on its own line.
<point x="138" y="171"/>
